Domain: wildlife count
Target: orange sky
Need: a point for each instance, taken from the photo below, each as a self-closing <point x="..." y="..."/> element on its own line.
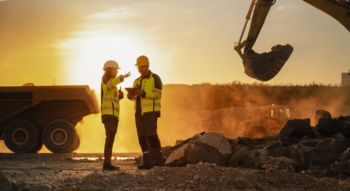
<point x="188" y="41"/>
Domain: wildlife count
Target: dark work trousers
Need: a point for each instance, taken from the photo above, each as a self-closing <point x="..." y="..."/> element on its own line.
<point x="111" y="125"/>
<point x="148" y="138"/>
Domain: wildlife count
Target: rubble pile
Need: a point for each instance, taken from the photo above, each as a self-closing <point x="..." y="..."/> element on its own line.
<point x="322" y="150"/>
<point x="6" y="184"/>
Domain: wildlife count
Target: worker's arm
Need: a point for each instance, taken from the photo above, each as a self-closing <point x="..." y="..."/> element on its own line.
<point x="113" y="82"/>
<point x="157" y="90"/>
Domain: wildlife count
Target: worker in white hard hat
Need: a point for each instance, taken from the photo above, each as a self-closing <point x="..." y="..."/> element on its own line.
<point x="110" y="97"/>
<point x="147" y="111"/>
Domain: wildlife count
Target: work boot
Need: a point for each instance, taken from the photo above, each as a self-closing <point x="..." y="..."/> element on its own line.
<point x="110" y="167"/>
<point x="147" y="161"/>
<point x="157" y="157"/>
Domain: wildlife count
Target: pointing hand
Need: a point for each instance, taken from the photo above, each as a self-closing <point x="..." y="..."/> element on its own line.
<point x="127" y="75"/>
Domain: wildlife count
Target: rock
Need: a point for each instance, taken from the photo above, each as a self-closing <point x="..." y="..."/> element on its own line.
<point x="319" y="153"/>
<point x="204" y="147"/>
<point x="244" y="156"/>
<point x="166" y="151"/>
<point x="194" y="152"/>
<point x="177" y="157"/>
<point x="280" y="164"/>
<point x="327" y="127"/>
<point x="341" y="167"/>
<point x="328" y="151"/>
<point x="216" y="140"/>
<point x="345" y="156"/>
<point x="6" y="184"/>
<point x="322" y="114"/>
<point x="296" y="129"/>
<point x="330" y="127"/>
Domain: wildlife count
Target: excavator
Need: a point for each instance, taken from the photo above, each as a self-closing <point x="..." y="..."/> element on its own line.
<point x="265" y="66"/>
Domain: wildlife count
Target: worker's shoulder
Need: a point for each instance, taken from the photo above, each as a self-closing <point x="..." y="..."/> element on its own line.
<point x="138" y="79"/>
<point x="155" y="76"/>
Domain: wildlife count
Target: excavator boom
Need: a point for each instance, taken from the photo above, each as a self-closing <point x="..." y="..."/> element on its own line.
<point x="338" y="9"/>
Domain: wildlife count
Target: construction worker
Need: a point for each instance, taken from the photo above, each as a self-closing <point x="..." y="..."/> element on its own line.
<point x="147" y="111"/>
<point x="110" y="97"/>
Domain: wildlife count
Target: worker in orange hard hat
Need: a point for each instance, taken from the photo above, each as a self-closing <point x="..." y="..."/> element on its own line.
<point x="147" y="111"/>
<point x="110" y="97"/>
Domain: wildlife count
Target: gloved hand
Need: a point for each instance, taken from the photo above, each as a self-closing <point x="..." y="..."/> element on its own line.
<point x="131" y="96"/>
<point x="122" y="77"/>
<point x="140" y="93"/>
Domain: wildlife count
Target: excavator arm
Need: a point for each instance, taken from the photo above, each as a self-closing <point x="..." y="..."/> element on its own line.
<point x="338" y="9"/>
<point x="265" y="66"/>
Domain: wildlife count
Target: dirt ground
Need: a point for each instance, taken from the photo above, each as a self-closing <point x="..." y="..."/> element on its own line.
<point x="83" y="172"/>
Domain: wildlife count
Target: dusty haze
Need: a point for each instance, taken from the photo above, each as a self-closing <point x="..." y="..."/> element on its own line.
<point x="191" y="109"/>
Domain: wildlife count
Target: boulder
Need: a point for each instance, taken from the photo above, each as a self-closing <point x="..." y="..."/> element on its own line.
<point x="322" y="114"/>
<point x="215" y="140"/>
<point x="328" y="151"/>
<point x="330" y="127"/>
<point x="268" y="156"/>
<point x="244" y="156"/>
<point x="296" y="129"/>
<point x="320" y="153"/>
<point x="194" y="152"/>
<point x="203" y="147"/>
<point x="342" y="166"/>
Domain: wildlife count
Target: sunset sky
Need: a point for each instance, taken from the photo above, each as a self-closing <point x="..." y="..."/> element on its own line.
<point x="188" y="41"/>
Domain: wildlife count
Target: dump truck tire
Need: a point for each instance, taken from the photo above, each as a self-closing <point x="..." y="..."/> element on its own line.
<point x="39" y="144"/>
<point x="60" y="136"/>
<point x="76" y="143"/>
<point x="23" y="137"/>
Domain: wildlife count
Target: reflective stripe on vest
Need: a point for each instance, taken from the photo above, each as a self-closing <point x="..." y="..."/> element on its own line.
<point x="150" y="103"/>
<point x="109" y="101"/>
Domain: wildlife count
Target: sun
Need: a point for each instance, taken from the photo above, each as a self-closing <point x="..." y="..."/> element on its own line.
<point x="87" y="52"/>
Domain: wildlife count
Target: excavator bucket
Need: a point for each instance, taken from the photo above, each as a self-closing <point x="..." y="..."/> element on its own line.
<point x="266" y="65"/>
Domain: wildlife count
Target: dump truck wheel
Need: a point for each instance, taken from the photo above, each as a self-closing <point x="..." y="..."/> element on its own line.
<point x="23" y="137"/>
<point x="60" y="136"/>
<point x="76" y="143"/>
<point x="38" y="146"/>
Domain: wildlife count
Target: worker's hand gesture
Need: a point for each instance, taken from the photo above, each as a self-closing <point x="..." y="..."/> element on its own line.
<point x="125" y="76"/>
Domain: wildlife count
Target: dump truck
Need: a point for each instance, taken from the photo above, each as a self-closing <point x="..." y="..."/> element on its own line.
<point x="33" y="116"/>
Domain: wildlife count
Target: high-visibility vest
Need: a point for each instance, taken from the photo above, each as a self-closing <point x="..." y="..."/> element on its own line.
<point x="151" y="101"/>
<point x="110" y="97"/>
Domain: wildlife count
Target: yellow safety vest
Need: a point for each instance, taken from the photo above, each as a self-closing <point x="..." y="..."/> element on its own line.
<point x="110" y="97"/>
<point x="151" y="102"/>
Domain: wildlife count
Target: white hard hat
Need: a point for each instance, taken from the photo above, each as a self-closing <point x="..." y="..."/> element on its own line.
<point x="111" y="64"/>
